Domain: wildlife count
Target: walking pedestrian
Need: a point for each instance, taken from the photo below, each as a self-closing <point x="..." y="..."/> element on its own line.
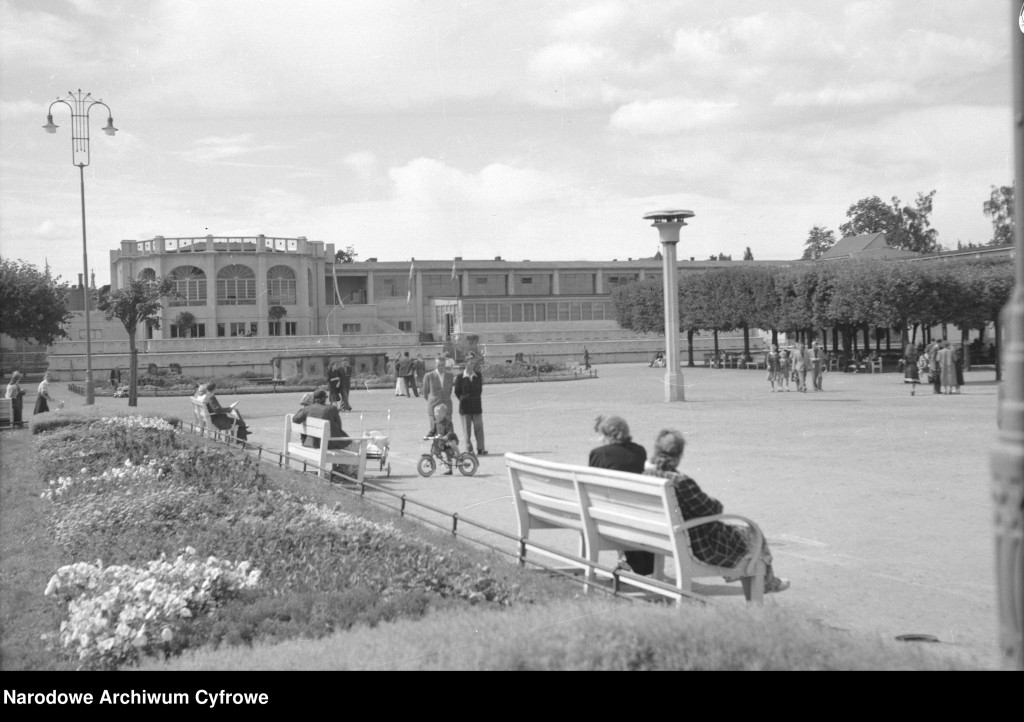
<point x="43" y="398"/>
<point x="817" y="365"/>
<point x="115" y="378"/>
<point x="771" y="363"/>
<point x="15" y="393"/>
<point x="407" y="370"/>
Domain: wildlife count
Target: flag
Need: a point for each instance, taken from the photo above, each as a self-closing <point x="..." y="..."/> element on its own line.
<point x="408" y="295"/>
<point x="453" y="270"/>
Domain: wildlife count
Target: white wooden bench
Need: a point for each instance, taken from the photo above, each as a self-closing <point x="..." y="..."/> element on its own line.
<point x="323" y="458"/>
<point x="6" y="412"/>
<point x="614" y="510"/>
<point x="201" y="418"/>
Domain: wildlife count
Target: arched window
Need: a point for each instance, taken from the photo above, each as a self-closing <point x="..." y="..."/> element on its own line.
<point x="188" y="287"/>
<point x="147" y="274"/>
<point x="236" y="286"/>
<point x="281" y="286"/>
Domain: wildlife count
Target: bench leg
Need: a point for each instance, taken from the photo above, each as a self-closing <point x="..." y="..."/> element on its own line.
<point x="753" y="588"/>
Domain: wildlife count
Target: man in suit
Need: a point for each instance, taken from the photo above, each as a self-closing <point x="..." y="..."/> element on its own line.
<point x="407" y="370"/>
<point x="437" y="389"/>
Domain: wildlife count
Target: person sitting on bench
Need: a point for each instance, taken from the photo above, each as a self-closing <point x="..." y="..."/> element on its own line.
<point x="224" y="417"/>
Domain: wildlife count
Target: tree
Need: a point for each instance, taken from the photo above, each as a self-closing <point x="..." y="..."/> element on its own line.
<point x="999" y="207"/>
<point x="748" y="255"/>
<point x="819" y="240"/>
<point x="183" y="322"/>
<point x="348" y="255"/>
<point x="904" y="226"/>
<point x="32" y="305"/>
<point x="138" y="302"/>
<point x="868" y="215"/>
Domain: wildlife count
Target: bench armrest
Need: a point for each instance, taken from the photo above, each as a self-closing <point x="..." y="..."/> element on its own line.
<point x="757" y="543"/>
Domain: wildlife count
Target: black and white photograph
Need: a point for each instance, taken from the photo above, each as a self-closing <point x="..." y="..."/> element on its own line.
<point x="457" y="335"/>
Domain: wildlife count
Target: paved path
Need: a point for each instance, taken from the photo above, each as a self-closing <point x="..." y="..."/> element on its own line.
<point x="876" y="504"/>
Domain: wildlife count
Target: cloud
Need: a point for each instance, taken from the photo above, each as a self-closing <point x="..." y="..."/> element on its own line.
<point x="666" y="116"/>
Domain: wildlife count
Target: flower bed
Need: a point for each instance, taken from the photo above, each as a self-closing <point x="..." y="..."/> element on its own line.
<point x="136" y="492"/>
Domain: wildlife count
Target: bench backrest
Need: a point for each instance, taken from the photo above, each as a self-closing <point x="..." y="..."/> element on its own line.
<point x="630" y="511"/>
<point x="545" y="494"/>
<point x="200" y="413"/>
<point x="317" y="428"/>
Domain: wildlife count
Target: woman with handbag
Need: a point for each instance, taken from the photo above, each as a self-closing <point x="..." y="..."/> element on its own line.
<point x="15" y="393"/>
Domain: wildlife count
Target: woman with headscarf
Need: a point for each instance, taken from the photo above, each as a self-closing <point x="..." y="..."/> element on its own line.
<point x="714" y="543"/>
<point x="618" y="452"/>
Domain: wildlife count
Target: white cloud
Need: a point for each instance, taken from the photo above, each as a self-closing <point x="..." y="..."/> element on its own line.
<point x="667" y="116"/>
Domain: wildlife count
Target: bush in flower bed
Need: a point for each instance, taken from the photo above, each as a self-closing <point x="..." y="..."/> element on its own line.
<point x="524" y="371"/>
<point x="321" y="569"/>
<point x="117" y="613"/>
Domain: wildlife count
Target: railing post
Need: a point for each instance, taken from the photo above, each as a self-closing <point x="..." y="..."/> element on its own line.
<point x="455" y="523"/>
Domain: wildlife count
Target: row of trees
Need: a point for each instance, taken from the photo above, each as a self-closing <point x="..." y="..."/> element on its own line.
<point x="909" y="226"/>
<point x="849" y="296"/>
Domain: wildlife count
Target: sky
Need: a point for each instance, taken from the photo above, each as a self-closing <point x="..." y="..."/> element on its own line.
<point x="529" y="129"/>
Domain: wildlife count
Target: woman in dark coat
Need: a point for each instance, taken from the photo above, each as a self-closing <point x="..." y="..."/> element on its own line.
<point x="621" y="454"/>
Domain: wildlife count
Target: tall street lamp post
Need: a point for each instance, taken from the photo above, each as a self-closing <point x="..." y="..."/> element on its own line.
<point x="668" y="224"/>
<point x="80" y="104"/>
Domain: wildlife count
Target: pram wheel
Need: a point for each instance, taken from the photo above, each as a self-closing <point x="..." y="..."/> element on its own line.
<point x="426" y="467"/>
<point x="468" y="464"/>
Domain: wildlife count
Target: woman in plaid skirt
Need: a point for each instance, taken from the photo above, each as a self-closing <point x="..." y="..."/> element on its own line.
<point x="714" y="543"/>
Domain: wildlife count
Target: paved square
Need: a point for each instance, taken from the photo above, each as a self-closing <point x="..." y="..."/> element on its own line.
<point x="876" y="504"/>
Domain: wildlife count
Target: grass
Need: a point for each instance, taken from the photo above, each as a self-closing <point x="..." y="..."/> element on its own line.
<point x="595" y="634"/>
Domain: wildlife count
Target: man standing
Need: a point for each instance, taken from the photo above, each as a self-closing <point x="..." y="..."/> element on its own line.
<point x="468" y="390"/>
<point x="817" y="365"/>
<point x="437" y="390"/>
<point x="115" y="377"/>
<point x="586" y="358"/>
<point x="419" y="369"/>
<point x="345" y="379"/>
<point x="408" y="372"/>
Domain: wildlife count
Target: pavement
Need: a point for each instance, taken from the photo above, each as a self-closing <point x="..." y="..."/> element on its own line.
<point x="876" y="504"/>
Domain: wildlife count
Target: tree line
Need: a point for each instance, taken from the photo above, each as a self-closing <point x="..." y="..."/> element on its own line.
<point x="847" y="297"/>
<point x="909" y="226"/>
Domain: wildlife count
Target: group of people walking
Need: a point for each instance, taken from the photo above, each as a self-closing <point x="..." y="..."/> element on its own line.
<point x="16" y="394"/>
<point x="939" y="363"/>
<point x="793" y="365"/>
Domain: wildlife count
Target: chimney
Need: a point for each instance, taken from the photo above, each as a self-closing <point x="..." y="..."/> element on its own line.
<point x="79" y="280"/>
<point x="497" y="258"/>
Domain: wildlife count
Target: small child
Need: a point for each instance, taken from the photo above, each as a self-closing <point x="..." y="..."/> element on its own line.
<point x="446" y="439"/>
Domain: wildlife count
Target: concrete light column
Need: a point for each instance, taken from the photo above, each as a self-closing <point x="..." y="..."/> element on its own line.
<point x="668" y="224"/>
<point x="1007" y="457"/>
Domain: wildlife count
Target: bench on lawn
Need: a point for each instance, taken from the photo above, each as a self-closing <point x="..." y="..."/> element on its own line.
<point x="6" y="412"/>
<point x="201" y="418"/>
<point x="323" y="458"/>
<point x="615" y="510"/>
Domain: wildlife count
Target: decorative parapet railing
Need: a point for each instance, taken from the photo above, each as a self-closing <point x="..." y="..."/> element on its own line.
<point x="225" y="244"/>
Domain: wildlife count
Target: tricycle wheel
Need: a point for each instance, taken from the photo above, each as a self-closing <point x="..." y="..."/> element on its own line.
<point x="468" y="464"/>
<point x="427" y="466"/>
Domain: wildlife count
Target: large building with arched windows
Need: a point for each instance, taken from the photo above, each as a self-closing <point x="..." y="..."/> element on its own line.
<point x="262" y="304"/>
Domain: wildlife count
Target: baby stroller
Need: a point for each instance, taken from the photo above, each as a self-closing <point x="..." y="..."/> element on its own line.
<point x="466" y="462"/>
<point x="379" y="445"/>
